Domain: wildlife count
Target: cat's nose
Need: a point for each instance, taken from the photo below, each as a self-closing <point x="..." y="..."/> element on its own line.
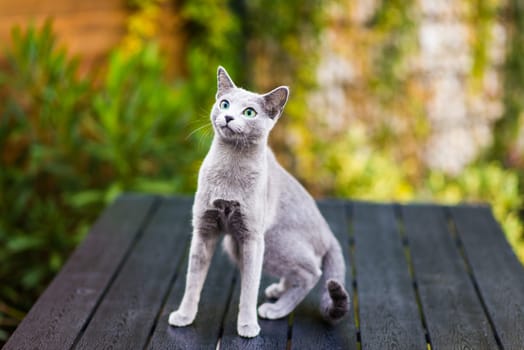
<point x="228" y="118"/>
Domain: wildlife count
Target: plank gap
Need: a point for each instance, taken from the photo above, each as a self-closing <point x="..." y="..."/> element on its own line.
<point x="407" y="256"/>
<point x="147" y="219"/>
<point x="452" y="228"/>
<point x="407" y="252"/>
<point x="354" y="287"/>
<point x="228" y="302"/>
<point x="356" y="309"/>
<point x="176" y="273"/>
<point x="290" y="320"/>
<point x="426" y="334"/>
<point x="405" y="242"/>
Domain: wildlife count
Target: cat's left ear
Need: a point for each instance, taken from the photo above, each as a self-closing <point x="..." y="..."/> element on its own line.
<point x="275" y="101"/>
<point x="224" y="82"/>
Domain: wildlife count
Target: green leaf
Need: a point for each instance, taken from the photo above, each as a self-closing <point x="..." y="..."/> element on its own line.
<point x="23" y="243"/>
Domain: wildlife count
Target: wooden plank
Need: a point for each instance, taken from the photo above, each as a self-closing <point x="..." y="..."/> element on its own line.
<point x="205" y="330"/>
<point x="127" y="313"/>
<point x="309" y="331"/>
<point x="388" y="311"/>
<point x="454" y="315"/>
<point x="67" y="304"/>
<point x="497" y="272"/>
<point x="273" y="333"/>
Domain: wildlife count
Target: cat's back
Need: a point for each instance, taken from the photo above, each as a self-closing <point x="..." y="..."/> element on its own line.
<point x="296" y="212"/>
<point x="290" y="191"/>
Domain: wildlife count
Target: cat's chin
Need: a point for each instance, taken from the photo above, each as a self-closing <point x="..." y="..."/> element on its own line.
<point x="226" y="131"/>
<point x="227" y="134"/>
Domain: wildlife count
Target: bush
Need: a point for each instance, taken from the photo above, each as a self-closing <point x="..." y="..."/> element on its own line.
<point x="69" y="146"/>
<point x="487" y="183"/>
<point x="41" y="142"/>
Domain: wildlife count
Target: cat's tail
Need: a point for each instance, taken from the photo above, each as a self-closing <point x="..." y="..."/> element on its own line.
<point x="334" y="302"/>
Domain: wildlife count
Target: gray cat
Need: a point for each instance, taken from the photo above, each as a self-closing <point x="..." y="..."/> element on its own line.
<point x="269" y="219"/>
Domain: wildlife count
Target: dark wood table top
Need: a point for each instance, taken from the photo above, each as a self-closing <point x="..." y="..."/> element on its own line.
<point x="420" y="276"/>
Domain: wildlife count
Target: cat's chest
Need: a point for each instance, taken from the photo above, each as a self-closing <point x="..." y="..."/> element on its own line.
<point x="236" y="177"/>
<point x="230" y="175"/>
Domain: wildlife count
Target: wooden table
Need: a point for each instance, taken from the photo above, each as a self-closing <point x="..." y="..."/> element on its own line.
<point x="419" y="275"/>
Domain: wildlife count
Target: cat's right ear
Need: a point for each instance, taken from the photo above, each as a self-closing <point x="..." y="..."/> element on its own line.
<point x="224" y="82"/>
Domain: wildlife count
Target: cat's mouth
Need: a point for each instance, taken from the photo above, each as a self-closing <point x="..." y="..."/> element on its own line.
<point x="226" y="131"/>
<point x="235" y="135"/>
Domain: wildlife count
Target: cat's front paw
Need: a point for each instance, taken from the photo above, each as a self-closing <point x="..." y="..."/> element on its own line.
<point x="178" y="319"/>
<point x="249" y="330"/>
<point x="270" y="311"/>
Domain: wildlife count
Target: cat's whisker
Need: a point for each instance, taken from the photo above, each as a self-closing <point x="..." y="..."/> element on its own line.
<point x="198" y="122"/>
<point x="201" y="118"/>
<point x="196" y="130"/>
<point x="203" y="137"/>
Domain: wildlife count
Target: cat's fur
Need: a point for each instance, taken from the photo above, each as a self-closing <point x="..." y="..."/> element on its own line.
<point x="269" y="219"/>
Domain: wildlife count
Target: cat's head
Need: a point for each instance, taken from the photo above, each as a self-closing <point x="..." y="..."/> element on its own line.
<point x="242" y="117"/>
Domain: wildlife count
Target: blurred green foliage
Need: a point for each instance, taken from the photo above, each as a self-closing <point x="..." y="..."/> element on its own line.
<point x="511" y="127"/>
<point x="41" y="164"/>
<point x="70" y="145"/>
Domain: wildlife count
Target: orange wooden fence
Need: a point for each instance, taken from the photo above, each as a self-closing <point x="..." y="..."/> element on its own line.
<point x="87" y="28"/>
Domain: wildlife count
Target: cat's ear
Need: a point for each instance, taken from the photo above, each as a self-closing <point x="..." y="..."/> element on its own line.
<point x="275" y="101"/>
<point x="224" y="82"/>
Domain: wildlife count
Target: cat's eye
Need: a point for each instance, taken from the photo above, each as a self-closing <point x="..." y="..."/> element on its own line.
<point x="249" y="113"/>
<point x="224" y="104"/>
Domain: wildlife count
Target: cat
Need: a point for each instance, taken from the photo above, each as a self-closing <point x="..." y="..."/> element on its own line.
<point x="270" y="221"/>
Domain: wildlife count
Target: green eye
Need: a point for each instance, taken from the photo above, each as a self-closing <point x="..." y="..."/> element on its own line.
<point x="224" y="104"/>
<point x="249" y="113"/>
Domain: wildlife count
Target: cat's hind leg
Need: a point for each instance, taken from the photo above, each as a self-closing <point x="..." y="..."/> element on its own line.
<point x="297" y="287"/>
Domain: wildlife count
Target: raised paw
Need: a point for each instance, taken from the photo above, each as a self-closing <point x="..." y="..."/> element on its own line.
<point x="178" y="319"/>
<point x="271" y="311"/>
<point x="220" y="203"/>
<point x="223" y="203"/>
<point x="249" y="330"/>
<point x="274" y="291"/>
<point x="225" y="206"/>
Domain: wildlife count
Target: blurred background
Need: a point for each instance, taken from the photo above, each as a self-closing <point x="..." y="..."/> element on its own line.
<point x="398" y="100"/>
